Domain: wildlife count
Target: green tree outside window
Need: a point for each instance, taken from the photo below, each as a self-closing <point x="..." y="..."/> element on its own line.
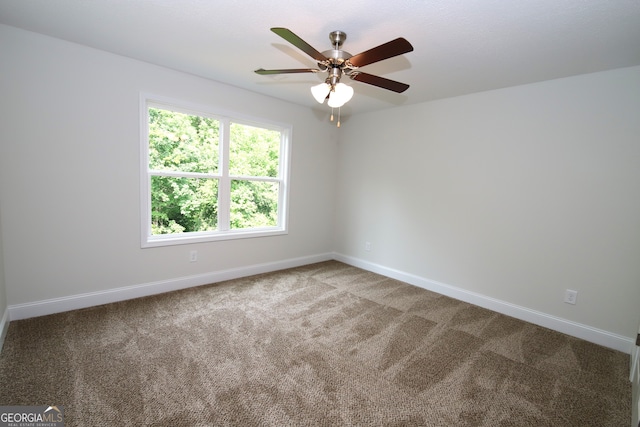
<point x="186" y="155"/>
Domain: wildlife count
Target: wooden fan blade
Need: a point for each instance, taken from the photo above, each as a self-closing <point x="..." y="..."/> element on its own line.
<point x="264" y="72"/>
<point x="299" y="43"/>
<point x="380" y="82"/>
<point x="384" y="51"/>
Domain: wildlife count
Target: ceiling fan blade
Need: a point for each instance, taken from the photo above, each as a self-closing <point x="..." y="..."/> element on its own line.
<point x="299" y="43"/>
<point x="264" y="72"/>
<point x="380" y="82"/>
<point x="384" y="51"/>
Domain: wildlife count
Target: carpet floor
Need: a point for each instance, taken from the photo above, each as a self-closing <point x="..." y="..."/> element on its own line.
<point x="321" y="345"/>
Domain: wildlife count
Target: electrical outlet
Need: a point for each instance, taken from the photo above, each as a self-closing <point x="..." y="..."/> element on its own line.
<point x="367" y="246"/>
<point x="570" y="296"/>
<point x="193" y="256"/>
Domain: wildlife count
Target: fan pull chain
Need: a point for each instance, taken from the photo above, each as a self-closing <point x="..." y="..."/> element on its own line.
<point x="331" y="118"/>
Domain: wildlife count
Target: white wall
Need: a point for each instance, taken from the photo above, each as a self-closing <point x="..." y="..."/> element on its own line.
<point x="69" y="172"/>
<point x="514" y="194"/>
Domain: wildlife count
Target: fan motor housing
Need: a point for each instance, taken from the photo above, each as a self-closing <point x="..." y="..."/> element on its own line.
<point x="336" y="64"/>
<point x="336" y="57"/>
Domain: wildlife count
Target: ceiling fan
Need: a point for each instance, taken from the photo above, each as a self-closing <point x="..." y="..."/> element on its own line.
<point x="336" y="63"/>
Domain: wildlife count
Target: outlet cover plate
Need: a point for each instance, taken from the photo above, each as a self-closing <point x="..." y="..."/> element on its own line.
<point x="570" y="296"/>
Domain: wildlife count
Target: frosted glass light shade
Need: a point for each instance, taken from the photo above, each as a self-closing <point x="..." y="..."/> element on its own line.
<point x="320" y="92"/>
<point x="340" y="95"/>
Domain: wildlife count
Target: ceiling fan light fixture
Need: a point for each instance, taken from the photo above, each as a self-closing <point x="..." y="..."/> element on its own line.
<point x="340" y="95"/>
<point x="333" y="101"/>
<point x="320" y="92"/>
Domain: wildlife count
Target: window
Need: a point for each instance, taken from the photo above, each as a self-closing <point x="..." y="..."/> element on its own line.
<point x="207" y="176"/>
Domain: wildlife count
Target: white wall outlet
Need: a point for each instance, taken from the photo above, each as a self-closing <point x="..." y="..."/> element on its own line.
<point x="193" y="256"/>
<point x="367" y="246"/>
<point x="570" y="296"/>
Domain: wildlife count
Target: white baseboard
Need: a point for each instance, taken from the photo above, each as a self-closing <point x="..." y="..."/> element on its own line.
<point x="4" y="327"/>
<point x="578" y="330"/>
<point x="74" y="302"/>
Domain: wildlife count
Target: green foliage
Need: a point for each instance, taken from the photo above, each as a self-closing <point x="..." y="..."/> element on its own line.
<point x="189" y="143"/>
<point x="183" y="142"/>
<point x="253" y="204"/>
<point x="253" y="151"/>
<point x="183" y="204"/>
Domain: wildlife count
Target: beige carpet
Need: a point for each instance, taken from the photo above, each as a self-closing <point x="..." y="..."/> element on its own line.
<point x="325" y="344"/>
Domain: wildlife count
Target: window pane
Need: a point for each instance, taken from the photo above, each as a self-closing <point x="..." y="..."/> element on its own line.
<point x="253" y="151"/>
<point x="182" y="205"/>
<point x="182" y="142"/>
<point x="254" y="204"/>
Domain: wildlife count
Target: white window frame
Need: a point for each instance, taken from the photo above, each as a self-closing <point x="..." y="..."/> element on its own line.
<point x="225" y="118"/>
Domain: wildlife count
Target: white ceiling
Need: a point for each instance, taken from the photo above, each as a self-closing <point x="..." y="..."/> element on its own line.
<point x="460" y="46"/>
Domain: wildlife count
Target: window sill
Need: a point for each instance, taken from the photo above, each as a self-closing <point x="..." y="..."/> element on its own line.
<point x="190" y="238"/>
